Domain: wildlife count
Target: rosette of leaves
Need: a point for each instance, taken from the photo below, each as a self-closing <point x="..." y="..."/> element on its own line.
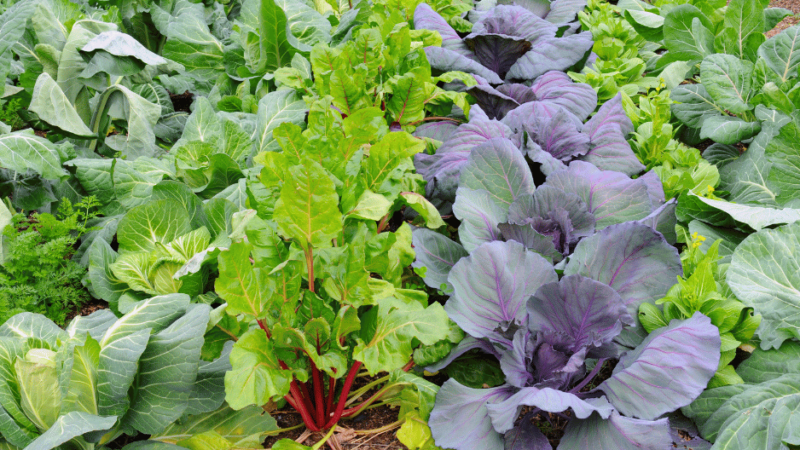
<point x="703" y="288"/>
<point x="758" y="413"/>
<point x="543" y="331"/>
<point x="549" y="131"/>
<point x="757" y="188"/>
<point x="104" y="377"/>
<point x="322" y="275"/>
<point x="507" y="43"/>
<point x="696" y="29"/>
<point x="739" y="97"/>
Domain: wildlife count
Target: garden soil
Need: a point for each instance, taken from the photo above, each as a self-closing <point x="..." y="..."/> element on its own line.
<point x="792" y="5"/>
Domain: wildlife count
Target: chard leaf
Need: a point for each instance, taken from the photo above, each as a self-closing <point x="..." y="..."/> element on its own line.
<point x="256" y="377"/>
<point x="69" y="426"/>
<point x="667" y="371"/>
<point x="307" y="209"/>
<point x="398" y="324"/>
<point x="762" y="276"/>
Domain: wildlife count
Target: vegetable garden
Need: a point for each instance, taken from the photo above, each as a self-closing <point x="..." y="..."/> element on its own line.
<point x="445" y="224"/>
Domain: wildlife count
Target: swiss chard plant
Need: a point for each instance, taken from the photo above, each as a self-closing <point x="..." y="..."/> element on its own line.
<point x="104" y="377"/>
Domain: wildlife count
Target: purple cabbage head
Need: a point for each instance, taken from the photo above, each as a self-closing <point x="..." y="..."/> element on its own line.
<point x="507" y="42"/>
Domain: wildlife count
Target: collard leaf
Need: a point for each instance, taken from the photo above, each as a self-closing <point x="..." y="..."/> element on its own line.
<point x="21" y="151"/>
<point x="240" y="428"/>
<point x="694" y="105"/>
<point x="756" y="217"/>
<point x="782" y="53"/>
<point x="256" y="377"/>
<point x="687" y="33"/>
<point x="486" y="280"/>
<point x="158" y="222"/>
<point x="763" y="365"/>
<point x="746" y="20"/>
<point x="762" y="276"/>
<point x="684" y="354"/>
<point x="728" y="81"/>
<point x="728" y="130"/>
<point x="274" y="109"/>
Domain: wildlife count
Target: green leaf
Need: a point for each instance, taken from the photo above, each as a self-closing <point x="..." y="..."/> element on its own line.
<point x="278" y="44"/>
<point x="782" y="53"/>
<point x="420" y="204"/>
<point x="141" y="116"/>
<point x="763" y="365"/>
<point x="53" y="107"/>
<point x="308" y="209"/>
<point x="386" y="158"/>
<point x="408" y="97"/>
<point x="370" y="206"/>
<point x="240" y="428"/>
<point x="398" y="324"/>
<point x="784" y="172"/>
<point x="647" y="24"/>
<point x="256" y="377"/>
<point x="760" y="417"/>
<point x="40" y="396"/>
<point x="69" y="426"/>
<point x="347" y="277"/>
<point x="167" y="371"/>
<point x="22" y="150"/>
<point x="761" y="277"/>
<point x="146" y="226"/>
<point x="191" y="44"/>
<point x="728" y="81"/>
<point x="82" y="392"/>
<point x="755" y="217"/>
<point x="746" y="20"/>
<point x="710" y="401"/>
<point x="247" y="289"/>
<point x="728" y="130"/>
<point x="274" y="109"/>
<point x="687" y="33"/>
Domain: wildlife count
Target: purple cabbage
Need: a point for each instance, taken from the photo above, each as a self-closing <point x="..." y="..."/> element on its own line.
<point x="506" y="43"/>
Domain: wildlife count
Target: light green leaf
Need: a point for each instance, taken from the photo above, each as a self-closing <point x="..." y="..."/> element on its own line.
<point x="370" y="206"/>
<point x="782" y="53"/>
<point x="69" y="426"/>
<point x="420" y="204"/>
<point x="240" y="428"/>
<point x="397" y="324"/>
<point x="686" y="33"/>
<point x="274" y="109"/>
<point x="72" y="64"/>
<point x="22" y="150"/>
<point x="746" y="19"/>
<point x="278" y="44"/>
<point x="763" y="366"/>
<point x="256" y="377"/>
<point x="82" y="391"/>
<point x="763" y="276"/>
<point x="157" y="222"/>
<point x="141" y="116"/>
<point x="308" y="209"/>
<point x="53" y="107"/>
<point x="756" y="217"/>
<point x="40" y="396"/>
<point x="645" y="23"/>
<point x="247" y="289"/>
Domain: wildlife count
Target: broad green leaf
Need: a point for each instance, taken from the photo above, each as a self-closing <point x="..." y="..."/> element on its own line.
<point x="647" y="24"/>
<point x="191" y="44"/>
<point x="69" y="426"/>
<point x="782" y="53"/>
<point x="167" y="371"/>
<point x="746" y="19"/>
<point x="13" y="22"/>
<point x="123" y="344"/>
<point x="728" y="130"/>
<point x="693" y="105"/>
<point x="347" y="277"/>
<point x="397" y="325"/>
<point x="72" y="64"/>
<point x="95" y="175"/>
<point x="278" y="44"/>
<point x="728" y="81"/>
<point x="22" y="151"/>
<point x="132" y="187"/>
<point x="308" y="208"/>
<point x="82" y="392"/>
<point x="759" y="417"/>
<point x="241" y="428"/>
<point x="370" y="206"/>
<point x="763" y="366"/>
<point x="306" y="23"/>
<point x="421" y="205"/>
<point x="40" y="396"/>
<point x="274" y="109"/>
<point x="773" y="16"/>
<point x="41" y="331"/>
<point x="202" y="125"/>
<point x="136" y="269"/>
<point x="500" y="169"/>
<point x="53" y="107"/>
<point x="246" y="288"/>
<point x="408" y="98"/>
<point x="141" y="116"/>
<point x="256" y="377"/>
<point x="687" y="33"/>
<point x="158" y="222"/>
<point x="764" y="275"/>
<point x="386" y="157"/>
<point x="784" y="173"/>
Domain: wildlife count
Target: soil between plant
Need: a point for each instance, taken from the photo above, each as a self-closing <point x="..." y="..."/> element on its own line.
<point x="793" y="6"/>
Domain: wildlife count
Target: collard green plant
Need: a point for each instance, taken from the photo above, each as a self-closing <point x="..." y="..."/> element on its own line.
<point x="104" y="376"/>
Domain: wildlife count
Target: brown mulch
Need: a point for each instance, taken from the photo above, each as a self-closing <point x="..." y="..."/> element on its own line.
<point x="87" y="308"/>
<point x="792" y="5"/>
